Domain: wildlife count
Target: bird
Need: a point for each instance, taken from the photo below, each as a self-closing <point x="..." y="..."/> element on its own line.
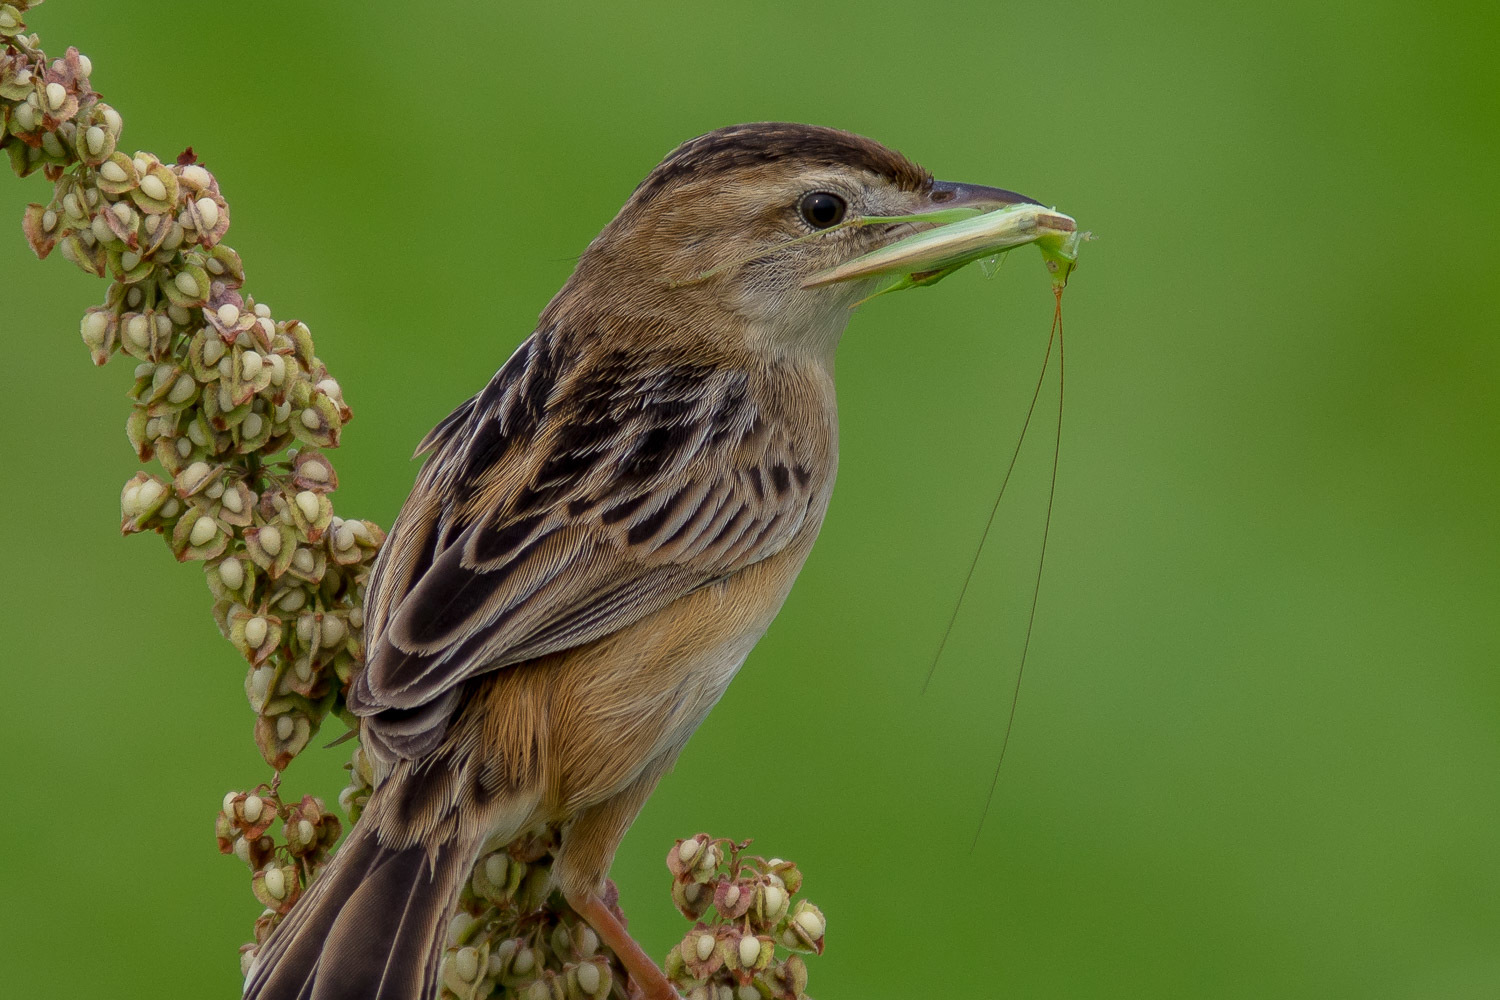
<point x="595" y="542"/>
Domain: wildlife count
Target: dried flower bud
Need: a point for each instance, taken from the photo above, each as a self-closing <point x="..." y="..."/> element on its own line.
<point x="307" y="565"/>
<point x="84" y="252"/>
<point x="95" y="141"/>
<point x="209" y="216"/>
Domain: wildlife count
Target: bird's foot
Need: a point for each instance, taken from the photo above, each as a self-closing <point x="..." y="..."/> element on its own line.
<point x="647" y="981"/>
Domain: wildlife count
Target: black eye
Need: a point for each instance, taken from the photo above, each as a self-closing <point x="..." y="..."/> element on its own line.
<point x="822" y="209"/>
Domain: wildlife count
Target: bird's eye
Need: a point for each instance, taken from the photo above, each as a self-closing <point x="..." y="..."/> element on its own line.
<point x="822" y="209"/>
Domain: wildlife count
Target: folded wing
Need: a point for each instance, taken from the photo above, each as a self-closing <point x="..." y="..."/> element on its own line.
<point x="569" y="499"/>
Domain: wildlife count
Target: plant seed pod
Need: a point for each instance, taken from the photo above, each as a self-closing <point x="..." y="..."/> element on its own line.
<point x="592" y="980"/>
<point x="198" y="536"/>
<point x="692" y="899"/>
<point x="804" y="930"/>
<point x="283" y="736"/>
<point x="733" y="899"/>
<point x="156" y="191"/>
<point x="277" y="887"/>
<point x="42" y="228"/>
<point x="770" y="904"/>
<point x="688" y="857"/>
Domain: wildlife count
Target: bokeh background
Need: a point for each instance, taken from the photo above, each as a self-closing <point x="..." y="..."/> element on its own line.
<point x="1257" y="751"/>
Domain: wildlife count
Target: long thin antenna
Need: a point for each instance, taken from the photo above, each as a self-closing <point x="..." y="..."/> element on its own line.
<point x="994" y="509"/>
<point x="1036" y="590"/>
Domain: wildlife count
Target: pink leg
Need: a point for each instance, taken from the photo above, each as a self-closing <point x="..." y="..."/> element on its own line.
<point x="648" y="979"/>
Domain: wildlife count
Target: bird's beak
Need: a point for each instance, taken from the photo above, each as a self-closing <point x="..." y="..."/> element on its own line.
<point x="949" y="194"/>
<point x="960" y="223"/>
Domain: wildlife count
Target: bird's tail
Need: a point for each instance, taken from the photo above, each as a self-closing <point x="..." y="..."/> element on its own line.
<point x="372" y="926"/>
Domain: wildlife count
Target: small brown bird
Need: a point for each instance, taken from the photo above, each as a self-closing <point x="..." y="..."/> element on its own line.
<point x="596" y="541"/>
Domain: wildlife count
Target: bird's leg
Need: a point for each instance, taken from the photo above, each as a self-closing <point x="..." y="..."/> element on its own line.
<point x="587" y="849"/>
<point x="644" y="972"/>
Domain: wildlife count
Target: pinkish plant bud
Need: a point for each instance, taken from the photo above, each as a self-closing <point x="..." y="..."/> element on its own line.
<point x="694" y="858"/>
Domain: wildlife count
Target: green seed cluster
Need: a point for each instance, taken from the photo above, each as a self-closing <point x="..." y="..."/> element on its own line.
<point x="235" y="406"/>
<point x="281" y="872"/>
<point x="733" y="954"/>
<point x="356" y="794"/>
<point x="514" y="938"/>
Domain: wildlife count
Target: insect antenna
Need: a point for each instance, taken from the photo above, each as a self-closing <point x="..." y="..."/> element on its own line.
<point x="1036" y="590"/>
<point x="989" y="523"/>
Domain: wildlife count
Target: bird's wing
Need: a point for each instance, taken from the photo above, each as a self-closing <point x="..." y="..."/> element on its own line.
<point x="566" y="501"/>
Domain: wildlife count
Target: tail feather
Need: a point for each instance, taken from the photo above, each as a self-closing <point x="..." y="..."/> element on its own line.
<point x="371" y="927"/>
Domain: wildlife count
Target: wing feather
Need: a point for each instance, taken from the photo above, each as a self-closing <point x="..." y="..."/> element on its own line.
<point x="575" y="495"/>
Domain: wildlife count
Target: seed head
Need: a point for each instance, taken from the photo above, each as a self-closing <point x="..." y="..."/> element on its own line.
<point x="270" y="540"/>
<point x="255" y="632"/>
<point x="204" y="531"/>
<point x="232" y="573"/>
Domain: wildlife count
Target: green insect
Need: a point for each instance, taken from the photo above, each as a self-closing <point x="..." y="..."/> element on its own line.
<point x="963" y="236"/>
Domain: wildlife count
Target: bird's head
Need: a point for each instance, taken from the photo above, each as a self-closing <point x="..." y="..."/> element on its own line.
<point x="720" y="239"/>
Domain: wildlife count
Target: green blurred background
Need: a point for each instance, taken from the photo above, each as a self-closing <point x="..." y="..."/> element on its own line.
<point x="1256" y="748"/>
